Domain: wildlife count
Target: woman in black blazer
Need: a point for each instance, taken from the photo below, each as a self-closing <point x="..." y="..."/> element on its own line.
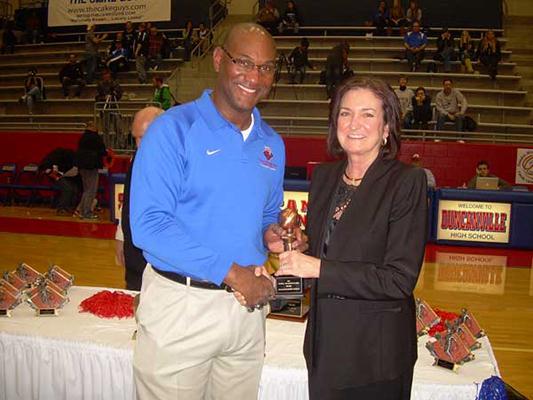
<point x="367" y="231"/>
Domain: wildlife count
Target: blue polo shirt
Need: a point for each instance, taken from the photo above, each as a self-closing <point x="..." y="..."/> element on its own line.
<point x="415" y="39"/>
<point x="201" y="197"/>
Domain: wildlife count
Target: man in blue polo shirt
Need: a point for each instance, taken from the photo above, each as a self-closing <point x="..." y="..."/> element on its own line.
<point x="415" y="42"/>
<point x="207" y="187"/>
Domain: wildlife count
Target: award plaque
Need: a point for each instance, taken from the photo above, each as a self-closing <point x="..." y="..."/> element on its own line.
<point x="425" y="313"/>
<point x="465" y="335"/>
<point x="15" y="281"/>
<point x="8" y="287"/>
<point x="289" y="286"/>
<point x="28" y="274"/>
<point x="470" y="321"/>
<point x="294" y="309"/>
<point x="449" y="351"/>
<point x="8" y="301"/>
<point x="45" y="300"/>
<point x="60" y="277"/>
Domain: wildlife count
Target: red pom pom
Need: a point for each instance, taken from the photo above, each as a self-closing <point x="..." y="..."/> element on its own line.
<point x="107" y="304"/>
<point x="441" y="326"/>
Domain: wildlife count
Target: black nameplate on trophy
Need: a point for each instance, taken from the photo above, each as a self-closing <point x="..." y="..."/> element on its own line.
<point x="446" y="364"/>
<point x="288" y="285"/>
<point x="47" y="311"/>
<point x="5" y="313"/>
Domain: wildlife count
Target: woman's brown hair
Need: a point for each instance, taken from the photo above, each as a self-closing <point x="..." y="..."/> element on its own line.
<point x="390" y="106"/>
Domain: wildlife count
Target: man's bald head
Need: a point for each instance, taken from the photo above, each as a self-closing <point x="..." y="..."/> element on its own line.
<point x="244" y="30"/>
<point x="143" y="118"/>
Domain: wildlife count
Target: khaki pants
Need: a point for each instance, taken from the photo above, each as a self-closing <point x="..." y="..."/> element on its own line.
<point x="195" y="344"/>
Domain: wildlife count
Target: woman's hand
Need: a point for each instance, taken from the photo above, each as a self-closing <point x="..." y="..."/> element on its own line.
<point x="298" y="264"/>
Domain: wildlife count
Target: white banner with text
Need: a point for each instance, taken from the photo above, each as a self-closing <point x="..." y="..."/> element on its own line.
<point x="82" y="12"/>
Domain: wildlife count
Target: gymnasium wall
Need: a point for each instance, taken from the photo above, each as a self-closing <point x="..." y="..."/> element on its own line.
<point x="452" y="163"/>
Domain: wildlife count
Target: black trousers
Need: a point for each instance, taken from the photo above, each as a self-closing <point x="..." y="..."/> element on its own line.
<point x="134" y="279"/>
<point x="396" y="389"/>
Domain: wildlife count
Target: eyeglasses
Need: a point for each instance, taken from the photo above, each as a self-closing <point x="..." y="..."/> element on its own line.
<point x="248" y="65"/>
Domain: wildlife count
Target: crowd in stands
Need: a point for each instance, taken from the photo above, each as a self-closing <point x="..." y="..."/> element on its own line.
<point x="144" y="44"/>
<point x="270" y="18"/>
<point x="417" y="111"/>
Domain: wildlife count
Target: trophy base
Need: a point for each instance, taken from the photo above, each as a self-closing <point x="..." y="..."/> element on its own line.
<point x="5" y="313"/>
<point x="290" y="309"/>
<point x="446" y="364"/>
<point x="46" y="312"/>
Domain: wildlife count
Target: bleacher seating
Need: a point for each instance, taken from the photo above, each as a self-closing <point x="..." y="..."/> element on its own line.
<point x="499" y="107"/>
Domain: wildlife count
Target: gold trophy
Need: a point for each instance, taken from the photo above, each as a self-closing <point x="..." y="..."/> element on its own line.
<point x="291" y="300"/>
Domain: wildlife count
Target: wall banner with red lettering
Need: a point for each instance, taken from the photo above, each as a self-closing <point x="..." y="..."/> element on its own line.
<point x="524" y="166"/>
<point x="474" y="221"/>
<point x="83" y="12"/>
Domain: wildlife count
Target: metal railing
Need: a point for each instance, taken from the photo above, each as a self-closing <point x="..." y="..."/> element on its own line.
<point x="217" y="12"/>
<point x="114" y="119"/>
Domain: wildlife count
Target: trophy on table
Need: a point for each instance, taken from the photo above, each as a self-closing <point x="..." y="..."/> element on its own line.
<point x="28" y="274"/>
<point x="60" y="277"/>
<point x="9" y="298"/>
<point x="45" y="298"/>
<point x="449" y="351"/>
<point x="291" y="298"/>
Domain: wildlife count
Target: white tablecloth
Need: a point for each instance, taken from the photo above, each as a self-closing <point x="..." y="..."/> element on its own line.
<point x="79" y="356"/>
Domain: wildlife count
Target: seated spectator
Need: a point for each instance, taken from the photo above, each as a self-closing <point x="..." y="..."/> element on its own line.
<point x="405" y="96"/>
<point x="467" y="52"/>
<point x="289" y="20"/>
<point x="156" y="41"/>
<point x="451" y="106"/>
<point x="128" y="37"/>
<point x="422" y="112"/>
<point x="71" y="77"/>
<point x="337" y="66"/>
<point x="415" y="43"/>
<point x="381" y="19"/>
<point x="58" y="165"/>
<point x="417" y="162"/>
<point x="268" y="17"/>
<point x="119" y="37"/>
<point x="189" y="40"/>
<point x="445" y="49"/>
<point x="108" y="90"/>
<point x="299" y="61"/>
<point x="489" y="53"/>
<point x="9" y="39"/>
<point x="397" y="18"/>
<point x="482" y="171"/>
<point x="117" y="60"/>
<point x="413" y="13"/>
<point x="33" y="89"/>
<point x="162" y="94"/>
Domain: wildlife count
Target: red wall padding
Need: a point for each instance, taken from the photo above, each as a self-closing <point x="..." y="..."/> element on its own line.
<point x="452" y="163"/>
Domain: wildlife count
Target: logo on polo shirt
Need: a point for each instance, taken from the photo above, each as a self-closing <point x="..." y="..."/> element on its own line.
<point x="268" y="155"/>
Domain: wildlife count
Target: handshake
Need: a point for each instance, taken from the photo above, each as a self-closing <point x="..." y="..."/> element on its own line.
<point x="253" y="286"/>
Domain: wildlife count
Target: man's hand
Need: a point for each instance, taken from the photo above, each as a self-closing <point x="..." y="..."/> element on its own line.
<point x="256" y="290"/>
<point x="258" y="271"/>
